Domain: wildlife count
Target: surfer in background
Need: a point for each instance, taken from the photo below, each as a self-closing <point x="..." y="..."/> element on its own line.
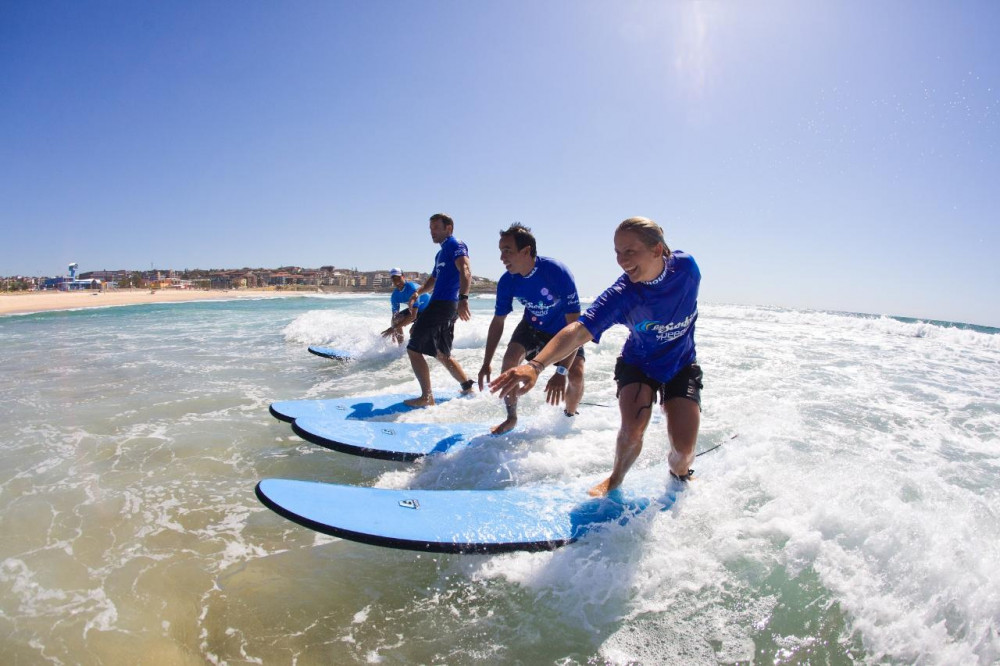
<point x="657" y="299"/>
<point x="400" y="295"/>
<point x="547" y="290"/>
<point x="434" y="330"/>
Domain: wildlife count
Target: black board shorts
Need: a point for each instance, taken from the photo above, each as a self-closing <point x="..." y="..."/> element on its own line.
<point x="434" y="330"/>
<point x="685" y="384"/>
<point x="533" y="339"/>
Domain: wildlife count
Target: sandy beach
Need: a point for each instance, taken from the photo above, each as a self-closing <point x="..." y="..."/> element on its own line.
<point x="40" y="301"/>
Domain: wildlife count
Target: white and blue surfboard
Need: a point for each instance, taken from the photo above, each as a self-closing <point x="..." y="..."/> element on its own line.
<point x="330" y="352"/>
<point x="458" y="521"/>
<point x="387" y="440"/>
<point x="370" y="407"/>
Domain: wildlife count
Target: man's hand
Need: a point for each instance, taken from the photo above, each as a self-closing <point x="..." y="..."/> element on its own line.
<point x="484" y="371"/>
<point x="463" y="310"/>
<point x="555" y="390"/>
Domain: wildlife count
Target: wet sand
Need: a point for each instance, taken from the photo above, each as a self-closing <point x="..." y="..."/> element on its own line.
<point x="40" y="301"/>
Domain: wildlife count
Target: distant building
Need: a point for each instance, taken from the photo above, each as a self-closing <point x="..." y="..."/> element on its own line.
<point x="69" y="284"/>
<point x="172" y="283"/>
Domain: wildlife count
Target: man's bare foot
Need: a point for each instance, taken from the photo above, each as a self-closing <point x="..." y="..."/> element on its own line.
<point x="601" y="489"/>
<point x="506" y="426"/>
<point x="682" y="478"/>
<point x="422" y="401"/>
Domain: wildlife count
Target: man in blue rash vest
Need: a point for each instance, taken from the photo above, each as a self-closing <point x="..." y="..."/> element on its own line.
<point x="434" y="330"/>
<point x="402" y="290"/>
<point x="547" y="290"/>
<point x="657" y="299"/>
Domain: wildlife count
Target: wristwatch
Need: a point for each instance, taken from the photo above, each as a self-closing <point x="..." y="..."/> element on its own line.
<point x="561" y="370"/>
<point x="463" y="297"/>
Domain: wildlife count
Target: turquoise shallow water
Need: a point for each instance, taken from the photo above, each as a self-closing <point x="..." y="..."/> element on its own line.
<point x="853" y="518"/>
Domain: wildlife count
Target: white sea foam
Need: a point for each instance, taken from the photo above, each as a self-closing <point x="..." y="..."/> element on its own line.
<point x="846" y="322"/>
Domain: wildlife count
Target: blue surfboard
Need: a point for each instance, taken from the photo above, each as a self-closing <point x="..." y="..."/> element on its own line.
<point x="387" y="441"/>
<point x="330" y="352"/>
<point x="370" y="407"/>
<point x="457" y="521"/>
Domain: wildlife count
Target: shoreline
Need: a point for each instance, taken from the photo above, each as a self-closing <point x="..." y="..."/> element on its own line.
<point x="45" y="301"/>
<point x="30" y="302"/>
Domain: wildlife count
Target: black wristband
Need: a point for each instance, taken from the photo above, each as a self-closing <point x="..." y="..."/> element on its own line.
<point x="463" y="297"/>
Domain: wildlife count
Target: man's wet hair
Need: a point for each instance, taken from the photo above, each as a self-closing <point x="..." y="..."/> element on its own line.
<point x="443" y="219"/>
<point x="522" y="237"/>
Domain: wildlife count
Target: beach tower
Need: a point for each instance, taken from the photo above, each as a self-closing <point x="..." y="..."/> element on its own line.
<point x="72" y="270"/>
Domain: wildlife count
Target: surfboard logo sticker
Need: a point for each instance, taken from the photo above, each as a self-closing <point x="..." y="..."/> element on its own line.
<point x="388" y="431"/>
<point x="409" y="504"/>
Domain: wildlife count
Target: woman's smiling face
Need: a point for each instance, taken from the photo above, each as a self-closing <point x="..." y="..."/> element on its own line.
<point x="640" y="262"/>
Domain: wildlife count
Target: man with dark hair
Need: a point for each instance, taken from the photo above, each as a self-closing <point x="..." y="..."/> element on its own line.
<point x="402" y="290"/>
<point x="434" y="330"/>
<point x="548" y="291"/>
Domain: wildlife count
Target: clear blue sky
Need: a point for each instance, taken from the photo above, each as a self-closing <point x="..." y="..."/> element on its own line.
<point x="833" y="155"/>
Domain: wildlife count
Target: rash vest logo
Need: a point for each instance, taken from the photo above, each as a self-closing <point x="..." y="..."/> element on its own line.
<point x="666" y="332"/>
<point x="541" y="308"/>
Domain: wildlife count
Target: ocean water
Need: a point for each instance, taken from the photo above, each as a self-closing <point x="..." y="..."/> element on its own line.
<point x="854" y="517"/>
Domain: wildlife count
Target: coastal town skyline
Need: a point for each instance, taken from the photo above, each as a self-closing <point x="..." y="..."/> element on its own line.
<point x="229" y="278"/>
